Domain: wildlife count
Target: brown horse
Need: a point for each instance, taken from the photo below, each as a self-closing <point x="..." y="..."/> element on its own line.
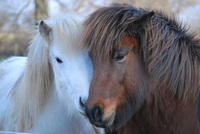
<point x="146" y="72"/>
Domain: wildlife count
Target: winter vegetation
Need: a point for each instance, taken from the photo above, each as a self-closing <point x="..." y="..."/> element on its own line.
<point x="19" y="17"/>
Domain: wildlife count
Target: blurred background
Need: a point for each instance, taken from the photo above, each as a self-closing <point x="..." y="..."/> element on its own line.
<point x="18" y="17"/>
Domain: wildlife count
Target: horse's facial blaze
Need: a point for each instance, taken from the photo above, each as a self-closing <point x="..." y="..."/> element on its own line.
<point x="113" y="81"/>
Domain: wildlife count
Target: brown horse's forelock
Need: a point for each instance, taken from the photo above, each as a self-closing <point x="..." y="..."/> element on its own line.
<point x="105" y="28"/>
<point x="171" y="55"/>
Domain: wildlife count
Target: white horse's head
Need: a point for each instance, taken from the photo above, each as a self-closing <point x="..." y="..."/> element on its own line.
<point x="72" y="67"/>
<point x="55" y="75"/>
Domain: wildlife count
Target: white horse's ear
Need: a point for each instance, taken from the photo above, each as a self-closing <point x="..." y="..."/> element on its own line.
<point x="45" y="31"/>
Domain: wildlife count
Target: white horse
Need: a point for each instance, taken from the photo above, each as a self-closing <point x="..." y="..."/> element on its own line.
<point x="40" y="93"/>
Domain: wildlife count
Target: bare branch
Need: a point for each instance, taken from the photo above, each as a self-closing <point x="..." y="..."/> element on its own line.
<point x="80" y="5"/>
<point x="15" y="22"/>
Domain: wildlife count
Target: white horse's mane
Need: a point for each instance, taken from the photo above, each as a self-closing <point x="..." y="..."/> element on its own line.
<point x="32" y="88"/>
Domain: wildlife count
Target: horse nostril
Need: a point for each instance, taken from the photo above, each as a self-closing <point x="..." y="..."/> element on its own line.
<point x="97" y="113"/>
<point x="94" y="115"/>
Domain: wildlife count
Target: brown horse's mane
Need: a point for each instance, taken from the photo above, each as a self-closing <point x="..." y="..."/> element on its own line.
<point x="170" y="54"/>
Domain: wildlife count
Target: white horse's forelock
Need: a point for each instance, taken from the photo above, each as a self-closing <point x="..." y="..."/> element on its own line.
<point x="31" y="90"/>
<point x="66" y="31"/>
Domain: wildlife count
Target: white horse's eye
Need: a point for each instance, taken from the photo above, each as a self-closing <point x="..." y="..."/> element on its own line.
<point x="59" y="60"/>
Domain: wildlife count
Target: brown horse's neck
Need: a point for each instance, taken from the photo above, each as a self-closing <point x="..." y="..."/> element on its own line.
<point x="163" y="114"/>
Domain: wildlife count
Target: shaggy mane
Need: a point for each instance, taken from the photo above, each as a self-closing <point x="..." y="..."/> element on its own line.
<point x="171" y="55"/>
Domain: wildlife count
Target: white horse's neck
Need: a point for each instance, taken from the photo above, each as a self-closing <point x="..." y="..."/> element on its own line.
<point x="10" y="72"/>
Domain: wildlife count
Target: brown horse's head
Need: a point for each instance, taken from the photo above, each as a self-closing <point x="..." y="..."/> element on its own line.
<point x="120" y="81"/>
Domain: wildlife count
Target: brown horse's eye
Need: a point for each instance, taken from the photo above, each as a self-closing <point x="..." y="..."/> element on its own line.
<point x="120" y="55"/>
<point x="120" y="58"/>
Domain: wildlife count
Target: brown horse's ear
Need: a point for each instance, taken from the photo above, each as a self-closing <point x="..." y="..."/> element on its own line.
<point x="45" y="31"/>
<point x="144" y="18"/>
<point x="135" y="27"/>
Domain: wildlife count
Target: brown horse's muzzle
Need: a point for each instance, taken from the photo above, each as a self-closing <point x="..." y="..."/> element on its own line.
<point x="95" y="116"/>
<point x="100" y="115"/>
